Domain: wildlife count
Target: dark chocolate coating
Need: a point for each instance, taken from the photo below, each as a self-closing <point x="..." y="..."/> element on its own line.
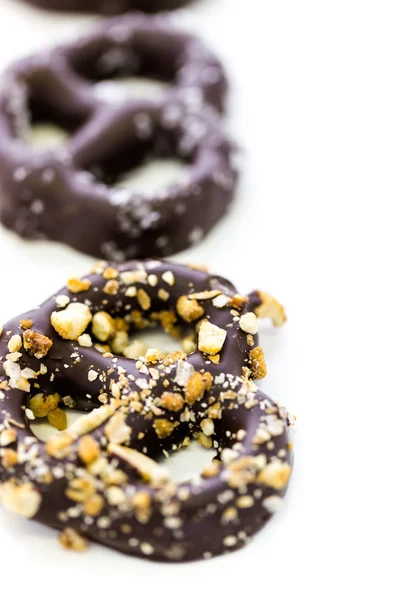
<point x="66" y="194"/>
<point x="110" y="7"/>
<point x="160" y="520"/>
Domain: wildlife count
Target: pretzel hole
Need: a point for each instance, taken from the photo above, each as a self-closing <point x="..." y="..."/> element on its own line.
<point x="142" y="166"/>
<point x="189" y="462"/>
<point x="39" y="118"/>
<point x="125" y="88"/>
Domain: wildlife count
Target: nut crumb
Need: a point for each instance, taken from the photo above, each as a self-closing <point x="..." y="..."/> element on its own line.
<point x="72" y="540"/>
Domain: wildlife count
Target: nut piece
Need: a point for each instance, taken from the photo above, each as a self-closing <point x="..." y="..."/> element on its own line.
<point x="71" y="322"/>
<point x="78" y="285"/>
<point x="270" y="308"/>
<point x="88" y="449"/>
<point x="135" y="350"/>
<point x="189" y="310"/>
<point x="144" y="299"/>
<point x="116" y="430"/>
<point x="211" y="338"/>
<point x="197" y="386"/>
<point x="22" y="499"/>
<point x="7" y="437"/>
<point x="9" y="458"/>
<point x="207" y="427"/>
<point x="37" y="344"/>
<point x="41" y="404"/>
<point x="15" y="343"/>
<point x="249" y="323"/>
<point x="111" y="288"/>
<point x="25" y="323"/>
<point x="163" y="427"/>
<point x="275" y="475"/>
<point x="257" y="363"/>
<point x="72" y="540"/>
<point x="58" y="419"/>
<point x="148" y="468"/>
<point x="93" y="505"/>
<point x="172" y="401"/>
<point x="103" y="326"/>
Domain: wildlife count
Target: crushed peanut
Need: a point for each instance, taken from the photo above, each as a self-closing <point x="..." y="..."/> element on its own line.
<point x="211" y="338"/>
<point x="71" y="322"/>
<point x="37" y="344"/>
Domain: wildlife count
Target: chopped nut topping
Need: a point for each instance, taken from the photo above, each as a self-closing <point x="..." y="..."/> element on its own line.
<point x="22" y="499"/>
<point x="88" y="449"/>
<point x="15" y="343"/>
<point x="80" y="489"/>
<point x="174" y="357"/>
<point x="270" y="308"/>
<point x="110" y="273"/>
<point x="85" y="341"/>
<point x="245" y="502"/>
<point x="62" y="301"/>
<point x="111" y="288"/>
<point x="189" y="344"/>
<point x="221" y="301"/>
<point x="144" y="299"/>
<point x="211" y="338"/>
<point x="210" y="471"/>
<point x="154" y="355"/>
<point x="115" y="495"/>
<point x="152" y="280"/>
<point x="173" y="402"/>
<point x="163" y="427"/>
<point x="103" y="326"/>
<point x="58" y="419"/>
<point x="78" y="285"/>
<point x="205" y="295"/>
<point x="204" y="440"/>
<point x="257" y="363"/>
<point x="7" y="437"/>
<point x="189" y="310"/>
<point x="238" y="302"/>
<point x="197" y="386"/>
<point x="275" y="475"/>
<point x="9" y="458"/>
<point x="93" y="505"/>
<point x="207" y="427"/>
<point x="249" y="323"/>
<point x="42" y="404"/>
<point x="250" y="340"/>
<point x="120" y="342"/>
<point x="148" y="468"/>
<point x="229" y="514"/>
<point x="141" y="504"/>
<point x="72" y="540"/>
<point x="37" y="344"/>
<point x="116" y="430"/>
<point x="135" y="350"/>
<point x="130" y="277"/>
<point x="25" y="323"/>
<point x="71" y="322"/>
<point x="168" y="277"/>
<point x="163" y="295"/>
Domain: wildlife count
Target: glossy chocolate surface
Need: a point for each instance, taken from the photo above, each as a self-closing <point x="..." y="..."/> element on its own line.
<point x="69" y="193"/>
<point x="110" y="7"/>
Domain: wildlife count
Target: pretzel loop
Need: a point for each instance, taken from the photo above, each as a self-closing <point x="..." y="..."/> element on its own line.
<point x="56" y="194"/>
<point x="100" y="478"/>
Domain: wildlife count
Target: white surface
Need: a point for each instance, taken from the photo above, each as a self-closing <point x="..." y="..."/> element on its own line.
<point x="315" y="101"/>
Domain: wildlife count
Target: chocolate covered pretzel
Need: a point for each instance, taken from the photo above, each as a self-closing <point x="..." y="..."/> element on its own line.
<point x="110" y="7"/>
<point x="68" y="193"/>
<point x="100" y="478"/>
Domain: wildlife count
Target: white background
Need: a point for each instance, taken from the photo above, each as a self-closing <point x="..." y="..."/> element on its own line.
<point x="315" y="102"/>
